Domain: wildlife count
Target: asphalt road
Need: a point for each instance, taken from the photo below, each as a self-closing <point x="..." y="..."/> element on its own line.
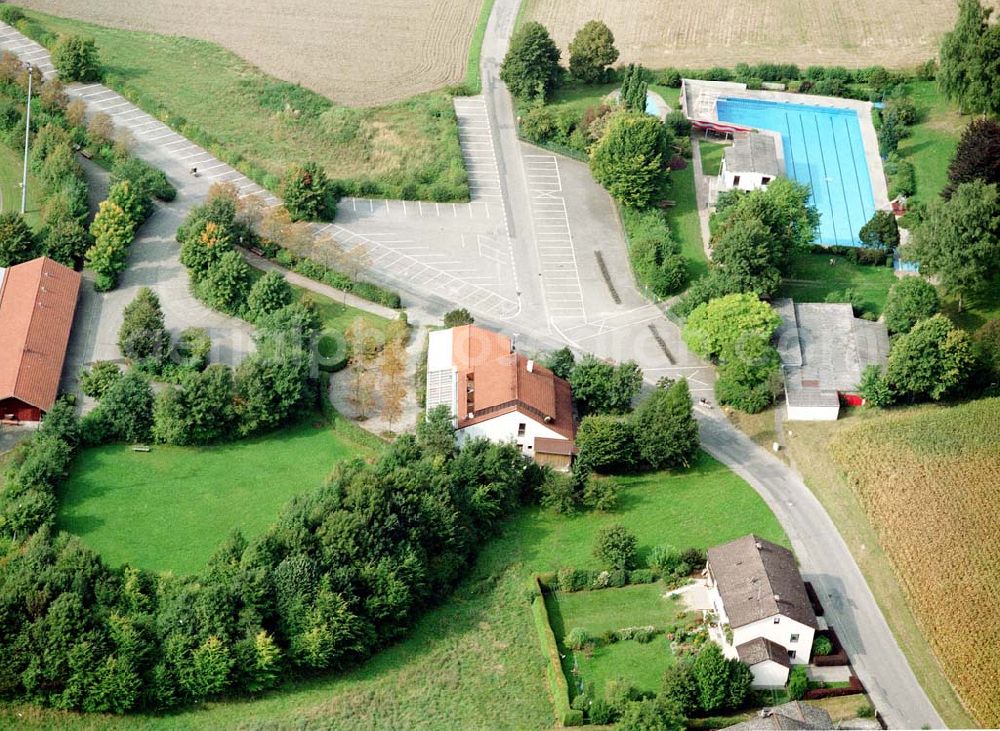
<point x="546" y="217"/>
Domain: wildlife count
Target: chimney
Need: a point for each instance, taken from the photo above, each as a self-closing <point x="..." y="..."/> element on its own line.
<point x="759" y="545"/>
<point x="470" y="415"/>
<point x="777" y="597"/>
<point x="531" y="366"/>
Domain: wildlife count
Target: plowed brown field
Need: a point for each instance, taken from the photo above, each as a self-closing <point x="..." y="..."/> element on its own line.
<point x="930" y="483"/>
<point x="661" y="33"/>
<point x="364" y="52"/>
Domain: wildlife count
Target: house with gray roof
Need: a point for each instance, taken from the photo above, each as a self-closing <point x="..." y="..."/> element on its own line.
<point x="756" y="589"/>
<point x="751" y="162"/>
<point x="792" y="716"/>
<point x="824" y="348"/>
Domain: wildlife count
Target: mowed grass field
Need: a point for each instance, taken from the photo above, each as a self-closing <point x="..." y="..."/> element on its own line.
<point x="170" y="508"/>
<point x="660" y="33"/>
<point x="812" y="278"/>
<point x="474" y="662"/>
<point x="407" y="149"/>
<point x="363" y="53"/>
<point x="930" y="483"/>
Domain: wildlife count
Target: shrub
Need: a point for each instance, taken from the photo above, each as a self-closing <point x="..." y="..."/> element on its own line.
<point x="601" y="712"/>
<point x="600" y="493"/>
<point x="309" y="194"/>
<point x="798" y="682"/>
<point x="822" y="645"/>
<point x="150" y="181"/>
<point x="880" y="231"/>
<point x="641" y="576"/>
<point x="577" y="638"/>
<point x="571" y="579"/>
<point x="909" y="301"/>
<point x="664" y="559"/>
<point x="556" y="493"/>
<point x="694" y="557"/>
<point x="455" y="318"/>
<point x="617" y="579"/>
<point x="75" y="58"/>
<point x="193" y="348"/>
<point x="143" y="338"/>
<point x="904" y="180"/>
<point x="678" y="123"/>
<point x="615" y="547"/>
<point x="96" y="380"/>
<point x="865" y="710"/>
<point x="618" y="693"/>
<point x="17" y="241"/>
<point x="630" y="159"/>
<point x="268" y="294"/>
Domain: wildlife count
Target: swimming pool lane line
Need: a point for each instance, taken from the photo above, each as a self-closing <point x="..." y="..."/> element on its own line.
<point x="840" y="172"/>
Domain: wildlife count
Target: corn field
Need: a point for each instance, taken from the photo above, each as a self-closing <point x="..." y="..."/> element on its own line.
<point x="930" y="483"/>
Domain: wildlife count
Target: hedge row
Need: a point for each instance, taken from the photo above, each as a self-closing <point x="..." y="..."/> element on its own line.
<point x="338" y="280"/>
<point x="558" y="686"/>
<point x="854" y="688"/>
<point x="571" y="579"/>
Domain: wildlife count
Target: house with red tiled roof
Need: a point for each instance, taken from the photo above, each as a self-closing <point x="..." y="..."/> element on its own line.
<point x="37" y="303"/>
<point x="494" y="392"/>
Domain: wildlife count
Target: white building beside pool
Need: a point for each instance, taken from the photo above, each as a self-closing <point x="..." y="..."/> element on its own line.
<point x="755" y="587"/>
<point x="751" y="162"/>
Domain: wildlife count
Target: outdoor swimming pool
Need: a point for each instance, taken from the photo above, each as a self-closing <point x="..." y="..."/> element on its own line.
<point x="823" y="149"/>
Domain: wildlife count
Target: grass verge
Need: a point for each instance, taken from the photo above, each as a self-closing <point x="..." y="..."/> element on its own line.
<point x="932" y="141"/>
<point x="170" y="508"/>
<point x="262" y="125"/>
<point x="475" y="662"/>
<point x="473" y="82"/>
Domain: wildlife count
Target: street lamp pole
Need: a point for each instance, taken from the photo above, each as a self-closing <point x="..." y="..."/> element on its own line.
<point x="27" y="135"/>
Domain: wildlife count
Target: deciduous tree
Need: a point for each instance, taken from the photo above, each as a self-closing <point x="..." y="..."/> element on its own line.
<point x="17" y="241"/>
<point x="531" y="67"/>
<point x="665" y="431"/>
<point x="959" y="239"/>
<point x="934" y="359"/>
<point x="76" y="58"/>
<point x="143" y="336"/>
<point x="630" y="159"/>
<point x="977" y="156"/>
<point x="591" y="51"/>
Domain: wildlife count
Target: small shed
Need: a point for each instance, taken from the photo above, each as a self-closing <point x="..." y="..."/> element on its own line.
<point x="751" y="162"/>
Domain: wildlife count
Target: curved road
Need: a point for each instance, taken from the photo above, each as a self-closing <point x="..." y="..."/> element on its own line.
<point x="562" y="276"/>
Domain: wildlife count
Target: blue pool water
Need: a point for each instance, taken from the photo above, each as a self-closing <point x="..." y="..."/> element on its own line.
<point x="651" y="107"/>
<point x="823" y="149"/>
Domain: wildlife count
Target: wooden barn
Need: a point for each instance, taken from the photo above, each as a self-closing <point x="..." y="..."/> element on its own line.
<point x="37" y="302"/>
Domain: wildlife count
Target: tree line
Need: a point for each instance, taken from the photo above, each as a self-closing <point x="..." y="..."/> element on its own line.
<point x="342" y="572"/>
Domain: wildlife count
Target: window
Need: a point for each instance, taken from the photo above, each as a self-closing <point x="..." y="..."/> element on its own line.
<point x="765" y="180"/>
<point x="736" y="180"/>
<point x="791" y="654"/>
<point x="521" y="429"/>
<point x="777" y="619"/>
<point x="795" y="638"/>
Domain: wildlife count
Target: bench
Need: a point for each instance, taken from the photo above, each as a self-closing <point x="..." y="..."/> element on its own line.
<point x="140" y="448"/>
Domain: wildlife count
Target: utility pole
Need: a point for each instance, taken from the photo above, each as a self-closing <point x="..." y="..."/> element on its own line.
<point x="27" y="135"/>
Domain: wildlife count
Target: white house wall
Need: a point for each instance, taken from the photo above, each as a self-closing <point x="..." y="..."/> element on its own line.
<point x="504" y="427"/>
<point x="811" y="413"/>
<point x="768" y="674"/>
<point x="748" y="181"/>
<point x="780" y="633"/>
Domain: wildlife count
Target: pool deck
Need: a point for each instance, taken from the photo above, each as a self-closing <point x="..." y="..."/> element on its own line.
<point x="698" y="101"/>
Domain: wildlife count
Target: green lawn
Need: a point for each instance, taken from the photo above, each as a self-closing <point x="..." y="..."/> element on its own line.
<point x="11" y="167"/>
<point x="603" y="609"/>
<point x="975" y="310"/>
<point x="711" y="157"/>
<point x="170" y="508"/>
<point x="473" y="82"/>
<point x="407" y="149"/>
<point x="932" y="140"/>
<point x="812" y="278"/>
<point x="609" y="609"/>
<point x="684" y="222"/>
<point x="474" y="662"/>
<point x="642" y="665"/>
<point x="336" y="316"/>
